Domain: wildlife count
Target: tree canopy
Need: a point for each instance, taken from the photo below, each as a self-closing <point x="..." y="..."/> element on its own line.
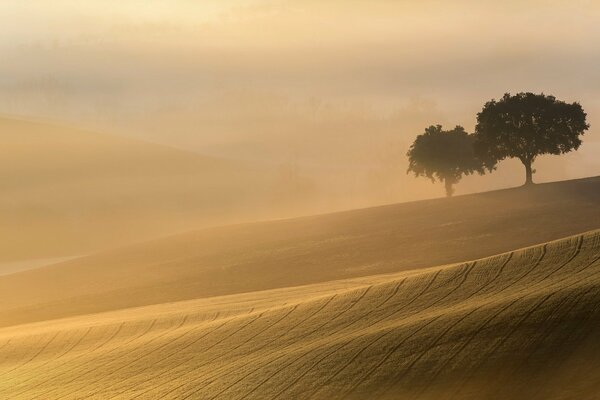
<point x="526" y="125"/>
<point x="443" y="155"/>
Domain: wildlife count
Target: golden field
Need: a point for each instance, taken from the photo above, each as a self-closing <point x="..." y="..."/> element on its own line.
<point x="517" y="325"/>
<point x="294" y="252"/>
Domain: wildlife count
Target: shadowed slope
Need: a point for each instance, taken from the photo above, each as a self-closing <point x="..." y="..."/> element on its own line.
<point x="516" y="325"/>
<point x="259" y="256"/>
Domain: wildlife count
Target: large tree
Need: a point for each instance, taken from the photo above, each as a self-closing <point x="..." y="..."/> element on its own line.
<point x="443" y="155"/>
<point x="525" y="126"/>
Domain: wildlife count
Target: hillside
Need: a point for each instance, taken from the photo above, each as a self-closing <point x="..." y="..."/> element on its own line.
<point x="267" y="255"/>
<point x="66" y="192"/>
<point x="519" y="325"/>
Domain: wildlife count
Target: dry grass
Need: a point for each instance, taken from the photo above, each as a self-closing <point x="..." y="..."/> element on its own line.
<point x="516" y="325"/>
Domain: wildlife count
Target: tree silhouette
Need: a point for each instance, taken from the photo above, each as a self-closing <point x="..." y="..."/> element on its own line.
<point x="443" y="155"/>
<point x="525" y="126"/>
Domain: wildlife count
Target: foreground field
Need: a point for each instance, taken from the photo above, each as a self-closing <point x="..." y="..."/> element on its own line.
<point x="276" y="254"/>
<point x="518" y="325"/>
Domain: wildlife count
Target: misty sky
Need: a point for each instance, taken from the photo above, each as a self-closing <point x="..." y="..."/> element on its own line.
<point x="131" y="65"/>
<point x="376" y="49"/>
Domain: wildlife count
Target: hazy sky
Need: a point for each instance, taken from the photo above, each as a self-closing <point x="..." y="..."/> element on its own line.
<point x="382" y="51"/>
<point x="231" y="71"/>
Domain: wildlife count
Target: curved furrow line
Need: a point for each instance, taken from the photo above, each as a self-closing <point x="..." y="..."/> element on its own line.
<point x="6" y="344"/>
<point x="493" y="316"/>
<point x="215" y="344"/>
<point x="538" y="262"/>
<point x="419" y="303"/>
<point x="527" y="315"/>
<point x="561" y="266"/>
<point x="586" y="266"/>
<point x="292" y="383"/>
<point x="465" y="344"/>
<point x="430" y="347"/>
<point x="287" y="331"/>
<point x="40" y="351"/>
<point x="169" y="356"/>
<point x="533" y="268"/>
<point x="88" y="330"/>
<point x="487" y="356"/>
<point x="570" y="334"/>
<point x="229" y="335"/>
<point x="340" y="313"/>
<point x="370" y="311"/>
<point x="434" y="277"/>
<point x="376" y="339"/>
<point x="362" y="296"/>
<point x="282" y="351"/>
<point x="355" y="385"/>
<point x="315" y="364"/>
<point x="466" y="270"/>
<point x="20" y="357"/>
<point x="398" y="345"/>
<point x="96" y="348"/>
<point x="394" y="349"/>
<point x="183" y="321"/>
<point x="562" y="280"/>
<point x="546" y="333"/>
<point x="112" y="372"/>
<point x="318" y="310"/>
<point x="537" y="344"/>
<point x="412" y="300"/>
<point x="99" y="346"/>
<point x="179" y="337"/>
<point x="341" y="346"/>
<point x="496" y="276"/>
<point x="530" y="270"/>
<point x="53" y="359"/>
<point x="570" y="276"/>
<point x="470" y="339"/>
<point x="309" y="369"/>
<point x="393" y="294"/>
<point x="354" y="321"/>
<point x="544" y="252"/>
<point x="292" y="309"/>
<point x="463" y="280"/>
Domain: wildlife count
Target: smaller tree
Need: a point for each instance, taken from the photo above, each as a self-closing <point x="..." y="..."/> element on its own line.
<point x="525" y="126"/>
<point x="443" y="155"/>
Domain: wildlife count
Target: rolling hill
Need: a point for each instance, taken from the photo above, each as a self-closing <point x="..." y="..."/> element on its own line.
<point x="518" y="325"/>
<point x="67" y="192"/>
<point x="277" y="254"/>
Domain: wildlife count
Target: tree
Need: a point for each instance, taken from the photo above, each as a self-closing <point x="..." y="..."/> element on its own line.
<point x="525" y="126"/>
<point x="443" y="155"/>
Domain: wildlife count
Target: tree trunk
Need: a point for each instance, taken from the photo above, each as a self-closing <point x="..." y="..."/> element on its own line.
<point x="528" y="173"/>
<point x="449" y="189"/>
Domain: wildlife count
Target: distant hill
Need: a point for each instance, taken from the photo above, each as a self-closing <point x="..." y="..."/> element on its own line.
<point x="276" y="254"/>
<point x="520" y="325"/>
<point x="64" y="191"/>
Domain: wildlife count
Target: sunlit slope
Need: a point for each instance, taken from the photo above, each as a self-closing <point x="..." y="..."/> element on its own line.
<point x="517" y="325"/>
<point x="65" y="191"/>
<point x="266" y="255"/>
